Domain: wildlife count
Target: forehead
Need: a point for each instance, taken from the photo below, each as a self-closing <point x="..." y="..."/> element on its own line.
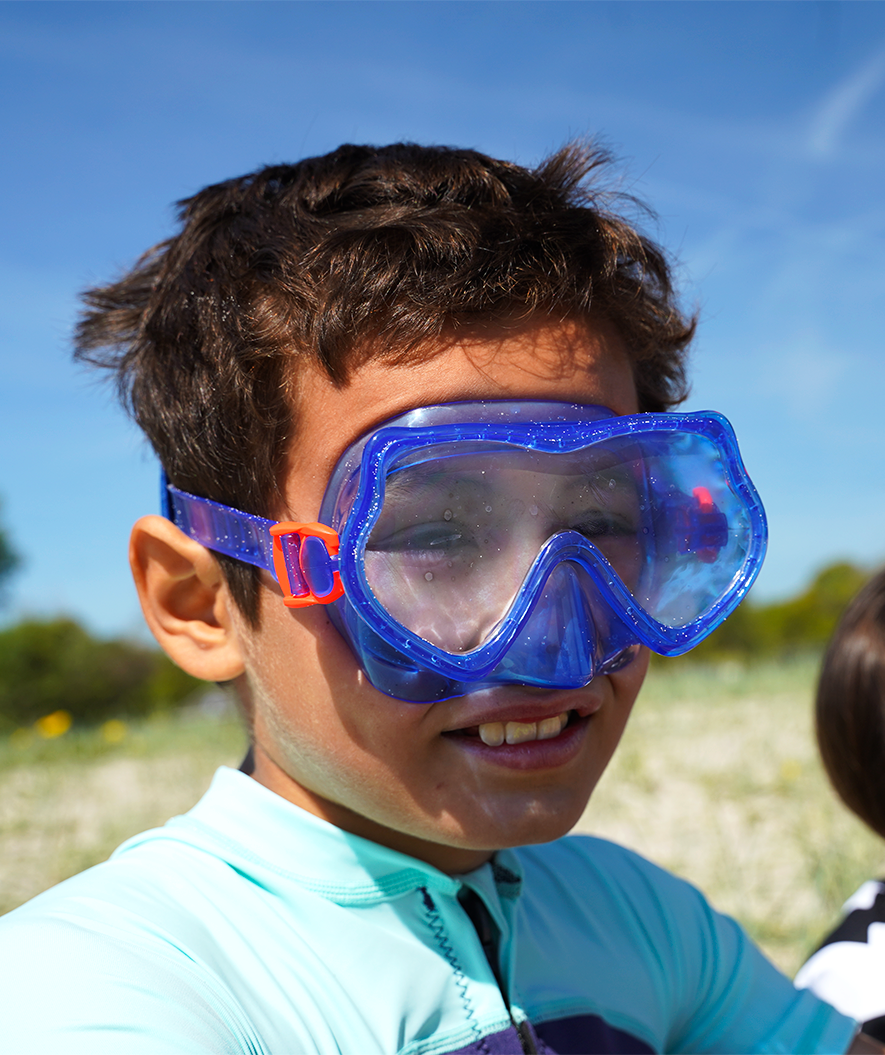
<point x="573" y="361"/>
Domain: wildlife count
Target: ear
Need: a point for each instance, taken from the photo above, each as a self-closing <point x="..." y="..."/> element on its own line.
<point x="185" y="600"/>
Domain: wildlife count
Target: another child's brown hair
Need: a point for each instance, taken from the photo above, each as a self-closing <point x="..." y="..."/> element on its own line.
<point x="850" y="706"/>
<point x="367" y="252"/>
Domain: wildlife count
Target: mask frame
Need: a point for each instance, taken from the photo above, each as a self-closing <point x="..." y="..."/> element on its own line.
<point x="324" y="563"/>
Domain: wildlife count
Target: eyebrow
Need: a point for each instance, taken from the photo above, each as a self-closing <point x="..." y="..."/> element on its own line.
<point x="596" y="480"/>
<point x="410" y="482"/>
<point x="420" y="483"/>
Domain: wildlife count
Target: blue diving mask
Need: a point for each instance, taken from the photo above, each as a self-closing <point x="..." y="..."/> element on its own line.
<point x="470" y="545"/>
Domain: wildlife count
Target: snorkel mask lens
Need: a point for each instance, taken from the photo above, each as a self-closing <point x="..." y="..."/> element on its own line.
<point x="538" y="543"/>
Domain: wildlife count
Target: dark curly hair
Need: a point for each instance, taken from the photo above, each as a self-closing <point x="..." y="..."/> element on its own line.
<point x="366" y="252"/>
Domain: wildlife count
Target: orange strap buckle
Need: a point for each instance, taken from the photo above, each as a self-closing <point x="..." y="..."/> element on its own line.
<point x="316" y="579"/>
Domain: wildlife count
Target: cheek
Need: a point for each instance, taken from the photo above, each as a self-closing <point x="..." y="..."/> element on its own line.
<point x="626" y="684"/>
<point x="315" y="712"/>
<point x="298" y="654"/>
<point x="285" y="678"/>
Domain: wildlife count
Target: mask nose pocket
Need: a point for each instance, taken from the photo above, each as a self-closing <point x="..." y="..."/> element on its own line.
<point x="572" y="634"/>
<point x="558" y="642"/>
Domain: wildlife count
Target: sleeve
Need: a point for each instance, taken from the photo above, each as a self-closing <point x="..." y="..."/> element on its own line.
<point x="72" y="987"/>
<point x="668" y="968"/>
<point x="848" y="970"/>
<point x="742" y="1003"/>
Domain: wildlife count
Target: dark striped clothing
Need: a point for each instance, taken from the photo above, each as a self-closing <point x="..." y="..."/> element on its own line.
<point x="848" y="970"/>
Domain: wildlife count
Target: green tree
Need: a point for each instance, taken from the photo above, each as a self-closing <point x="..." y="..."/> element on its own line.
<point x="801" y="623"/>
<point x="46" y="666"/>
<point x="9" y="562"/>
<point x="809" y="619"/>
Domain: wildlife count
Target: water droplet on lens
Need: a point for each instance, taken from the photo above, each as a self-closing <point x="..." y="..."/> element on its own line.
<point x="447" y="515"/>
<point x="429" y="576"/>
<point x="488" y="509"/>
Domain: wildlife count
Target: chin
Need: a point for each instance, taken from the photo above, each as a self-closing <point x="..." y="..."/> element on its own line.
<point x="534" y="823"/>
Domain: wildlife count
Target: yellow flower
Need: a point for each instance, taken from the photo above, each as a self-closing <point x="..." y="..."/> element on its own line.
<point x="791" y="770"/>
<point x="52" y="725"/>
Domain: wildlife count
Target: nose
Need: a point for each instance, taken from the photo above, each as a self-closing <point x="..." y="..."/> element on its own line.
<point x="557" y="644"/>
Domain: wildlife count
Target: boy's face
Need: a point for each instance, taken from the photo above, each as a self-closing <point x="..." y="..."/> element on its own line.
<point x="417" y="777"/>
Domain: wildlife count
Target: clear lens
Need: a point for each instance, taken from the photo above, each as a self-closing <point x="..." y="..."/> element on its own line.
<point x="459" y="532"/>
<point x="700" y="529"/>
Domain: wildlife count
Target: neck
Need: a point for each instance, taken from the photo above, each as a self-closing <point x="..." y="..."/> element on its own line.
<point x="453" y="860"/>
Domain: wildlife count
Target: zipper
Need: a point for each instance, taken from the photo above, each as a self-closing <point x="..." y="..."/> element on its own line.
<point x="487" y="932"/>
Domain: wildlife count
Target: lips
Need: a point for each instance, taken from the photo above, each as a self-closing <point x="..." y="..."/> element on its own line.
<point x="523" y="721"/>
<point x="523" y="749"/>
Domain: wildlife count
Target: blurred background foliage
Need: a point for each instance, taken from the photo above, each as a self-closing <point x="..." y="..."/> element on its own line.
<point x="786" y="628"/>
<point x="56" y="665"/>
<point x="9" y="562"/>
<point x="56" y="669"/>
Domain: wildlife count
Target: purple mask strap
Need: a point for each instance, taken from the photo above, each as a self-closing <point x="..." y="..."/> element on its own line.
<point x="221" y="528"/>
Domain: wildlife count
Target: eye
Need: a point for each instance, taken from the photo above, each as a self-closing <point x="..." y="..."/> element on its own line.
<point x="438" y="538"/>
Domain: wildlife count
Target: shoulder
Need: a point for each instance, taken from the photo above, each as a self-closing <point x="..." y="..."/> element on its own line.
<point x="657" y="949"/>
<point x="622" y="879"/>
<point x="112" y="960"/>
<point x="622" y="899"/>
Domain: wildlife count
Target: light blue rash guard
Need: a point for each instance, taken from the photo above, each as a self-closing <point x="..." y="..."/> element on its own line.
<point x="249" y="925"/>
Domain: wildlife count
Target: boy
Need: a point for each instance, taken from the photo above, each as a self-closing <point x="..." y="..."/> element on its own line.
<point x="417" y="516"/>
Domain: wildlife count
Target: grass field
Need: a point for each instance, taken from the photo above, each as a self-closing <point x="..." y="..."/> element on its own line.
<point x="717" y="779"/>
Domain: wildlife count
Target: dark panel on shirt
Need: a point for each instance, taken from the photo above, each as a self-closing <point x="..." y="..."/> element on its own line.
<point x="855" y="925"/>
<point x="578" y="1035"/>
<point x="589" y="1035"/>
<point x="875" y="1028"/>
<point x="505" y="1042"/>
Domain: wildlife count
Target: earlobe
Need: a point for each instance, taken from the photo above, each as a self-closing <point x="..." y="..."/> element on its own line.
<point x="185" y="600"/>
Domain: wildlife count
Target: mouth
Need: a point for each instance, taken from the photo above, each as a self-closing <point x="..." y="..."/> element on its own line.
<point x="530" y="743"/>
<point x="494" y="734"/>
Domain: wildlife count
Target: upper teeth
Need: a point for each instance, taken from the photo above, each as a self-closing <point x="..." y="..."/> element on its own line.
<point x="494" y="734"/>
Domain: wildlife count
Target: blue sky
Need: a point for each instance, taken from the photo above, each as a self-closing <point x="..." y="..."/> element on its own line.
<point x="756" y="130"/>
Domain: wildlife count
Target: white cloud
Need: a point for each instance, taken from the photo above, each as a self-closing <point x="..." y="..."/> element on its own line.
<point x="843" y="102"/>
